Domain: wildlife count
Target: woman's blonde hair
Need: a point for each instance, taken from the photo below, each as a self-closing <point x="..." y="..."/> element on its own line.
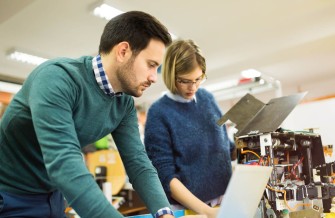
<point x="181" y="57"/>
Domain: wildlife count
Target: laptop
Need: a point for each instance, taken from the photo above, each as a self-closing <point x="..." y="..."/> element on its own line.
<point x="244" y="192"/>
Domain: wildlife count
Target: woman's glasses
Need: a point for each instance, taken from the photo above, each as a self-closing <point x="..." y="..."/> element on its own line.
<point x="189" y="83"/>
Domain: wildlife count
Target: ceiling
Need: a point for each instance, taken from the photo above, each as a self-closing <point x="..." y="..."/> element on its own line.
<point x="292" y="41"/>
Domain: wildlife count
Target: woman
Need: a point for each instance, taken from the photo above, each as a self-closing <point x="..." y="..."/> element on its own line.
<point x="189" y="150"/>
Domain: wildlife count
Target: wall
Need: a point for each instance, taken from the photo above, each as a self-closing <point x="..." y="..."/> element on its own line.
<point x="319" y="115"/>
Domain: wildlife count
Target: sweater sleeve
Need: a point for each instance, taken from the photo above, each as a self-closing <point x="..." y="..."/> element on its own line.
<point x="51" y="105"/>
<point x="141" y="172"/>
<point x="158" y="144"/>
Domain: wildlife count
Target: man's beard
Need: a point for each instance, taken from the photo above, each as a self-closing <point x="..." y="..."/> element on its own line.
<point x="127" y="79"/>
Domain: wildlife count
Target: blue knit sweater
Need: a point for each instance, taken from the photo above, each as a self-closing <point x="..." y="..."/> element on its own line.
<point x="183" y="141"/>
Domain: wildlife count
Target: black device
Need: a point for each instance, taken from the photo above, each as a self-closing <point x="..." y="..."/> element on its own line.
<point x="100" y="175"/>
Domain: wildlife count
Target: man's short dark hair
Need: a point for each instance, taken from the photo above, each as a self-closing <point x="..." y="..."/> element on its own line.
<point x="135" y="27"/>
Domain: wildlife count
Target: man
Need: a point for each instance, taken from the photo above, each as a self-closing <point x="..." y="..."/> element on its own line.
<point x="66" y="104"/>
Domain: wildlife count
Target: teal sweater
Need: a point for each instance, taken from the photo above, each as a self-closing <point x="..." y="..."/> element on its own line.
<point x="60" y="109"/>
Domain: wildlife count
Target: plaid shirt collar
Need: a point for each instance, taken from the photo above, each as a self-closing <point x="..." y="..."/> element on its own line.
<point x="102" y="78"/>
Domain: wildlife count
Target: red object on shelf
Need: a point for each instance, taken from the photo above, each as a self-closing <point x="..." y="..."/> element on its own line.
<point x="246" y="80"/>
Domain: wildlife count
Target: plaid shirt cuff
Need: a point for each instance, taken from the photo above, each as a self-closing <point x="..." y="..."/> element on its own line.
<point x="163" y="211"/>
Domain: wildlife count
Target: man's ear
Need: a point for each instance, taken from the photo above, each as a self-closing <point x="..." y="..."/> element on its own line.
<point x="123" y="52"/>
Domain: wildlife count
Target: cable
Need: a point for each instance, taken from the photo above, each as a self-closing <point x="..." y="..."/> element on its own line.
<point x="248" y="151"/>
<point x="285" y="201"/>
<point x="295" y="176"/>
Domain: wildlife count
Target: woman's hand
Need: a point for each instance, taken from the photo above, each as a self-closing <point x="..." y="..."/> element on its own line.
<point x="194" y="216"/>
<point x="212" y="212"/>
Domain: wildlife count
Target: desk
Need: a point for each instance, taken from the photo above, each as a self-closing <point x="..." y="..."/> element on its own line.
<point x="133" y="204"/>
<point x="126" y="211"/>
<point x="135" y="208"/>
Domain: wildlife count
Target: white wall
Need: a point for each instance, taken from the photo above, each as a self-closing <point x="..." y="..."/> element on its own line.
<point x="317" y="114"/>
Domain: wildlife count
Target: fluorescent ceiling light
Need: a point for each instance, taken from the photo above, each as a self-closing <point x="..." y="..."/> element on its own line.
<point x="173" y="36"/>
<point x="107" y="12"/>
<point x="9" y="87"/>
<point x="251" y="73"/>
<point x="26" y="58"/>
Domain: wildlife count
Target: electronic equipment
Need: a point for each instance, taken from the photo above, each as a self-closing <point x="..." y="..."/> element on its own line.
<point x="301" y="181"/>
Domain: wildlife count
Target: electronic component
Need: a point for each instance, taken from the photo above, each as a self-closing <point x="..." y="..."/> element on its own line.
<point x="300" y="180"/>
